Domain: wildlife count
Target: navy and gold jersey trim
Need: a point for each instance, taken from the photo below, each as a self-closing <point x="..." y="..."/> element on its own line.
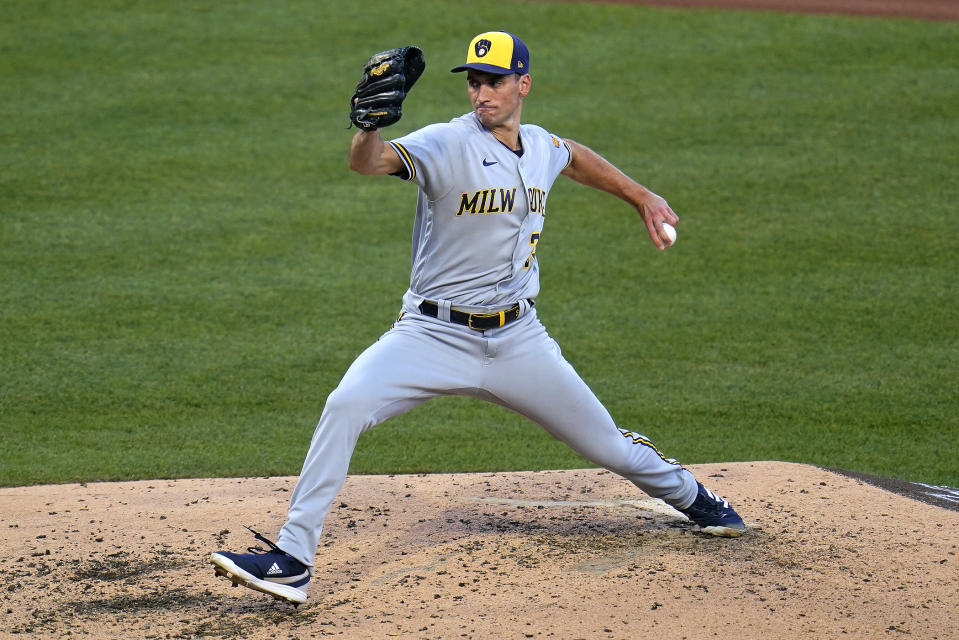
<point x="570" y="152"/>
<point x="407" y="159"/>
<point x="644" y="441"/>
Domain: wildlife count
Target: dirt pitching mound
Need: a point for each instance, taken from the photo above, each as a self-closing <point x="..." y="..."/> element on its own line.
<point x="557" y="554"/>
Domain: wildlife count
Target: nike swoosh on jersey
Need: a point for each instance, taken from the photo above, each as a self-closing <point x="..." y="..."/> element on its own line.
<point x="488" y="164"/>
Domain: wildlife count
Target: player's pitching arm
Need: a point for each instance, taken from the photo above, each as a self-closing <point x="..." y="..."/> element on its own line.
<point x="589" y="168"/>
<point x="370" y="155"/>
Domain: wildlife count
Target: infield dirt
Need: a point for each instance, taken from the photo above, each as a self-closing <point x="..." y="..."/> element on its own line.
<point x="554" y="554"/>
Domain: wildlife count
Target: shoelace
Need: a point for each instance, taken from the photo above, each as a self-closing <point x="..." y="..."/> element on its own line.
<point x="264" y="540"/>
<point x="708" y="493"/>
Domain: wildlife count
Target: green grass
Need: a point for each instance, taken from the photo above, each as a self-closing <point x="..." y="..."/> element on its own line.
<point x="188" y="266"/>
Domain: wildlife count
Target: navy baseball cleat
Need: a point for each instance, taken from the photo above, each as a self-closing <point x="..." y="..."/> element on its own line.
<point x="274" y="572"/>
<point x="714" y="515"/>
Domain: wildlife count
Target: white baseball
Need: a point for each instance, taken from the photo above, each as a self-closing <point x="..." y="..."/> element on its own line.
<point x="670" y="233"/>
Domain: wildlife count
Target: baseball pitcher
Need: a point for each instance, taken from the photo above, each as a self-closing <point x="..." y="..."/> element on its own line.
<point x="468" y="324"/>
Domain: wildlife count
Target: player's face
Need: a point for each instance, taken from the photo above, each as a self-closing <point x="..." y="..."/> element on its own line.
<point x="496" y="99"/>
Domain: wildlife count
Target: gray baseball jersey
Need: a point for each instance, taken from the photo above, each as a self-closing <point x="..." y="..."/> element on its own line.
<point x="480" y="211"/>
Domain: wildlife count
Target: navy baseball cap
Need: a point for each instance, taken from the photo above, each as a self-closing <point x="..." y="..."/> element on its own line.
<point x="496" y="52"/>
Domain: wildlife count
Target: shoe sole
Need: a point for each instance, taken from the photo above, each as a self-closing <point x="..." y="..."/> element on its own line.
<point x="723" y="532"/>
<point x="225" y="567"/>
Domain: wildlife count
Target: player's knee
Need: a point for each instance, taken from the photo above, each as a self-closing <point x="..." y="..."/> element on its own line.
<point x="348" y="407"/>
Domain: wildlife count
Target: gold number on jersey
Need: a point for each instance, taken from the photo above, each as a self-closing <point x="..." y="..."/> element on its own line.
<point x="533" y="241"/>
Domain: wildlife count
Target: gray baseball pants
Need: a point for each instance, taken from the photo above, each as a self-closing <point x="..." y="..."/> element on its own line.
<point x="518" y="366"/>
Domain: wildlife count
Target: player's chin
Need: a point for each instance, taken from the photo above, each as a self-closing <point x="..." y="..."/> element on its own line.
<point x="486" y="115"/>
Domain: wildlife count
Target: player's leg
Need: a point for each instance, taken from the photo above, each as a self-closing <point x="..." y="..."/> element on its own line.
<point x="408" y="365"/>
<point x="533" y="378"/>
<point x="415" y="361"/>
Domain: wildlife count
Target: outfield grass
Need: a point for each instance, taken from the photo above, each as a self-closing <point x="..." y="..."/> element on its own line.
<point x="188" y="266"/>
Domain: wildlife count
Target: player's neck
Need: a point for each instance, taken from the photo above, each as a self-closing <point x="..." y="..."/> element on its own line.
<point x="509" y="137"/>
<point x="508" y="132"/>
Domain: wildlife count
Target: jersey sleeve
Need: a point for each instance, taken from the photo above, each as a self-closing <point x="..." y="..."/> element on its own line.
<point x="560" y="153"/>
<point x="425" y="154"/>
<point x="557" y="153"/>
<point x="569" y="154"/>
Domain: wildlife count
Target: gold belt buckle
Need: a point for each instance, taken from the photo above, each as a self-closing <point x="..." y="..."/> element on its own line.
<point x="500" y="314"/>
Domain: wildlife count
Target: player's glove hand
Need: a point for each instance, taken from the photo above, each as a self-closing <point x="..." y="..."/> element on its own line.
<point x="387" y="78"/>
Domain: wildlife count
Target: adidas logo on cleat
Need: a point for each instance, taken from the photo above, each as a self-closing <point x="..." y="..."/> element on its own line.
<point x="274" y="570"/>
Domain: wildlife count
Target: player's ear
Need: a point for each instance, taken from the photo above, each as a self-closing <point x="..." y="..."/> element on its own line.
<point x="525" y="82"/>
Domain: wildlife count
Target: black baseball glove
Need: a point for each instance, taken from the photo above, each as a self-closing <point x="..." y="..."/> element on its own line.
<point x="387" y="78"/>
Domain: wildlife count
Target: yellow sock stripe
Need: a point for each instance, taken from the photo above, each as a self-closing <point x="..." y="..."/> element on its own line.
<point x="407" y="160"/>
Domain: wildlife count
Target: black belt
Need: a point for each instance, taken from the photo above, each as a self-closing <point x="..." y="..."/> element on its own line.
<point x="477" y="321"/>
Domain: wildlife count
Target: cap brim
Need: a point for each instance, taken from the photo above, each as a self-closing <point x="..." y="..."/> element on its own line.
<point x="478" y="66"/>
